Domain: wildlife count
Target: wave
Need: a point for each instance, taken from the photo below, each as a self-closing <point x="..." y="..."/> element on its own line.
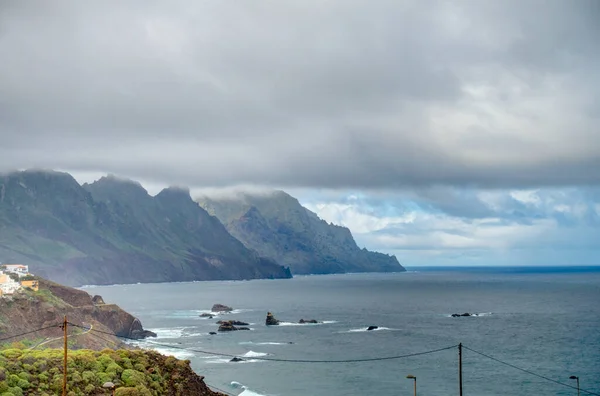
<point x="228" y="360"/>
<point x="246" y="391"/>
<point x="175" y="332"/>
<point x="307" y="324"/>
<point x="263" y="343"/>
<point x="474" y="314"/>
<point x="254" y="354"/>
<point x="364" y="330"/>
<point x="208" y="311"/>
<point x="178" y="353"/>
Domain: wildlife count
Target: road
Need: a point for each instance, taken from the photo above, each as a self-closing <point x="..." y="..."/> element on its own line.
<point x="61" y="338"/>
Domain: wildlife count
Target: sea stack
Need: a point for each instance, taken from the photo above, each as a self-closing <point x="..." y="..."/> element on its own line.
<point x="271" y="321"/>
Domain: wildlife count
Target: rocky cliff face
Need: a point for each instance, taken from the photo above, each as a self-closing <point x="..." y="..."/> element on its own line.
<point x="112" y="231"/>
<point x="29" y="310"/>
<point x="278" y="227"/>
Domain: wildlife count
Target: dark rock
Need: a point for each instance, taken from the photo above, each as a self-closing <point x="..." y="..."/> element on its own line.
<point x="271" y="321"/>
<point x="237" y="359"/>
<point x="372" y="328"/>
<point x="212" y="333"/>
<point x="227" y="327"/>
<point x="141" y="334"/>
<point x="304" y="321"/>
<point x="233" y="322"/>
<point x="455" y="315"/>
<point x="242" y="328"/>
<point x="207" y="315"/>
<point x="98" y="300"/>
<point x="221" y="308"/>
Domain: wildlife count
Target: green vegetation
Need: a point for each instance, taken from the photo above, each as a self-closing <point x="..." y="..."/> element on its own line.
<point x="136" y="373"/>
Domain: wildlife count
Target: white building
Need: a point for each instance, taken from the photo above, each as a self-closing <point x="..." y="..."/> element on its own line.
<point x="8" y="285"/>
<point x="18" y="269"/>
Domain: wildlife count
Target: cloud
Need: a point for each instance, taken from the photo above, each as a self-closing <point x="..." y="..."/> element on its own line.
<point x="518" y="227"/>
<point x="337" y="94"/>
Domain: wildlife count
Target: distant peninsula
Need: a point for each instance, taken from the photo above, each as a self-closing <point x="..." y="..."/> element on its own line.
<point x="278" y="227"/>
<point x="113" y="232"/>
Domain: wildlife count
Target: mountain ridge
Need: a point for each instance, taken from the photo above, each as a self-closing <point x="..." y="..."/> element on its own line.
<point x="277" y="226"/>
<point x="96" y="234"/>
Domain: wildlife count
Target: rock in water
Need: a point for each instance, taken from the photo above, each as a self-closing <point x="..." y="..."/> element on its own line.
<point x="227" y="326"/>
<point x="304" y="321"/>
<point x="206" y="315"/>
<point x="212" y="333"/>
<point x="455" y="315"/>
<point x="271" y="321"/>
<point x="237" y="359"/>
<point x="372" y="328"/>
<point x="221" y="308"/>
<point x="233" y="322"/>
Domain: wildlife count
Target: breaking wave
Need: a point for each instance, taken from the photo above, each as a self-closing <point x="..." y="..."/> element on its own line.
<point x="246" y="391"/>
<point x="364" y="330"/>
<point x="474" y="314"/>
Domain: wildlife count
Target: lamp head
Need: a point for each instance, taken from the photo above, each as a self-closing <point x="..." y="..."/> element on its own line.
<point x="410" y="376"/>
<point x="573" y="377"/>
<point x="108" y="385"/>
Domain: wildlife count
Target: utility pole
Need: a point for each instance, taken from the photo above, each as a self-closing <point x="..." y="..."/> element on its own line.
<point x="64" y="326"/>
<point x="460" y="393"/>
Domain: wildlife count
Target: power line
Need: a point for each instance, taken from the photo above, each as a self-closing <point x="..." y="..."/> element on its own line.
<point x="530" y="372"/>
<point x="29" y="332"/>
<point x="283" y="360"/>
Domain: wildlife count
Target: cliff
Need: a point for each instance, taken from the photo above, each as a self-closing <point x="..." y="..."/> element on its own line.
<point x="278" y="227"/>
<point x="29" y="310"/>
<point x="113" y="231"/>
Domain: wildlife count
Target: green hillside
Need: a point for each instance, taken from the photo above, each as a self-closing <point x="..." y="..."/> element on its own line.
<point x="112" y="231"/>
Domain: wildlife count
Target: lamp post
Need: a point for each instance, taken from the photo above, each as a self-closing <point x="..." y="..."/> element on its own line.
<point x="109" y="385"/>
<point x="576" y="378"/>
<point x="410" y="376"/>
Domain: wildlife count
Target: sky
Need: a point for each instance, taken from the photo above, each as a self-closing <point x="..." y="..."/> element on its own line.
<point x="446" y="133"/>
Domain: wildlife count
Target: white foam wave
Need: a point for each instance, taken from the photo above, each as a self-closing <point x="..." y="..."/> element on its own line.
<point x="179" y="354"/>
<point x="254" y="354"/>
<point x="474" y="314"/>
<point x="246" y="391"/>
<point x="233" y="312"/>
<point x="194" y="334"/>
<point x="228" y="360"/>
<point x="364" y="329"/>
<point x="307" y="324"/>
<point x="263" y="343"/>
<point x="175" y="332"/>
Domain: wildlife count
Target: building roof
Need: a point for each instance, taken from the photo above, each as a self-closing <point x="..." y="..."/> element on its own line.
<point x="15" y="265"/>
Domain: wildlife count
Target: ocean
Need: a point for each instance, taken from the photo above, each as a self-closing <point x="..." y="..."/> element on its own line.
<point x="543" y="320"/>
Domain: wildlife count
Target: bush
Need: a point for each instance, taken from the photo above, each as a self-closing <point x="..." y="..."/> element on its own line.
<point x="133" y="378"/>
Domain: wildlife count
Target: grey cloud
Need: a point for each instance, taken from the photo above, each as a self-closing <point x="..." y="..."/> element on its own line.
<point x="380" y="95"/>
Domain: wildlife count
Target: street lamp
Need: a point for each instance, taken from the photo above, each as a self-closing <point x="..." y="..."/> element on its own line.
<point x="109" y="385"/>
<point x="576" y="378"/>
<point x="410" y="376"/>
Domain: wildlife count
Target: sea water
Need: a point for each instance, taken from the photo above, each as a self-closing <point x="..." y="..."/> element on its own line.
<point x="545" y="320"/>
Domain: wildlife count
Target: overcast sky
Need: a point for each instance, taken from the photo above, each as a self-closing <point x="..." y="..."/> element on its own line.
<point x="444" y="132"/>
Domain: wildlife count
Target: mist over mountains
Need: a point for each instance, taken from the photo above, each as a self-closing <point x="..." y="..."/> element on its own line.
<point x="112" y="231"/>
<point x="278" y="227"/>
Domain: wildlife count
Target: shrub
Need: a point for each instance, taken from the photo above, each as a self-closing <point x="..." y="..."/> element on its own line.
<point x="133" y="378"/>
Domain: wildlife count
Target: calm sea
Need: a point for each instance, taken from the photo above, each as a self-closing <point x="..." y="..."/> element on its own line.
<point x="545" y="320"/>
